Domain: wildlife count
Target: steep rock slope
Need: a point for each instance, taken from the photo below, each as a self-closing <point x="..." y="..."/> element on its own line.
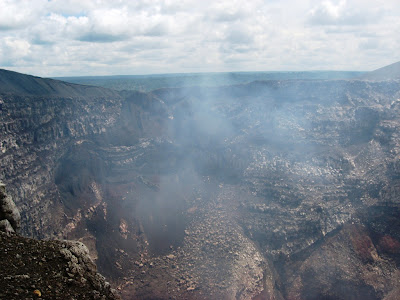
<point x="41" y="126"/>
<point x="35" y="132"/>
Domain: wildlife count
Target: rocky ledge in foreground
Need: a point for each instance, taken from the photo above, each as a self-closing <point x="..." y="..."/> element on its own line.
<point x="33" y="269"/>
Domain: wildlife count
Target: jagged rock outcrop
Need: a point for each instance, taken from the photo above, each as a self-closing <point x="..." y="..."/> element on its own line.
<point x="10" y="219"/>
<point x="6" y="227"/>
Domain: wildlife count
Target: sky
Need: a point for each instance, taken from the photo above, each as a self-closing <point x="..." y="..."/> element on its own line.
<point x="109" y="37"/>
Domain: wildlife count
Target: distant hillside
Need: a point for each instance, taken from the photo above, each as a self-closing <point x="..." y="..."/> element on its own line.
<point x="147" y="83"/>
<point x="17" y="83"/>
<point x="386" y="73"/>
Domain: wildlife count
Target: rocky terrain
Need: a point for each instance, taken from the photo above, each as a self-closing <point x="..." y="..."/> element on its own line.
<point x="266" y="190"/>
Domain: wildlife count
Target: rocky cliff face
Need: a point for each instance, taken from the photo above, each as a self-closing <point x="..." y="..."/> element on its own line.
<point x="36" y="132"/>
<point x="268" y="190"/>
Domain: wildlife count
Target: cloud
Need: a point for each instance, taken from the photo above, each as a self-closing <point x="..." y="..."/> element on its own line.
<point x="369" y="44"/>
<point x="13" y="50"/>
<point x="67" y="37"/>
<point x="100" y="37"/>
<point x="239" y="34"/>
<point x="222" y="11"/>
<point x="341" y="13"/>
<point x="18" y="14"/>
<point x="100" y="25"/>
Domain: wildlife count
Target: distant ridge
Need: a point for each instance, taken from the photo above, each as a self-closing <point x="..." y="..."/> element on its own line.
<point x="389" y="72"/>
<point x="16" y="83"/>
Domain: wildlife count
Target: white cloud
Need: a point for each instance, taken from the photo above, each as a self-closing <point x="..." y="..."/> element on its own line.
<point x="12" y="50"/>
<point x="343" y="13"/>
<point x="328" y="12"/>
<point x="19" y="13"/>
<point x="75" y="37"/>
